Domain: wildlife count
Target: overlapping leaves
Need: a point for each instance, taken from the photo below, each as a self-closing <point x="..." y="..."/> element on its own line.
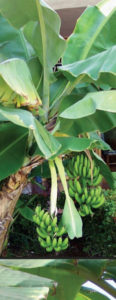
<point x="66" y="278"/>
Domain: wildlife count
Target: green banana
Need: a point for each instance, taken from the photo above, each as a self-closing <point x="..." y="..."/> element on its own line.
<point x="54" y="222"/>
<point x="60" y="242"/>
<point x="55" y="229"/>
<point x="49" y="229"/>
<point x="41" y="214"/>
<point x="96" y="171"/>
<point x="49" y="249"/>
<point x="70" y="175"/>
<point x="86" y="209"/>
<point x="89" y="173"/>
<point x="80" y="169"/>
<point x="43" y="243"/>
<point x="65" y="242"/>
<point x="76" y="167"/>
<point x="72" y="194"/>
<point x="85" y="192"/>
<point x="61" y="231"/>
<point x="86" y="162"/>
<point x="48" y="220"/>
<point x="37" y="210"/>
<point x="90" y="211"/>
<point x="97" y="205"/>
<point x="98" y="180"/>
<point x="57" y="249"/>
<point x="94" y="200"/>
<point x="78" y="159"/>
<point x="48" y="241"/>
<point x="81" y="158"/>
<point x="54" y="242"/>
<point x="77" y="198"/>
<point x="41" y="233"/>
<point x="64" y="247"/>
<point x="36" y="219"/>
<point x="84" y="171"/>
<point x="81" y="212"/>
<point x="42" y="225"/>
<point x="88" y="200"/>
<point x="78" y="186"/>
<point x="83" y="198"/>
<point x="92" y="192"/>
<point x="71" y="185"/>
<point x="45" y="216"/>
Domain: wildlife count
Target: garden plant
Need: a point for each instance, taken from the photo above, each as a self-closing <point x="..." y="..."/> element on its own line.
<point x="54" y="118"/>
<point x="57" y="279"/>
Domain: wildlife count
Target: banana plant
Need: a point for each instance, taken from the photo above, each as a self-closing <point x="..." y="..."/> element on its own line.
<point x="57" y="279"/>
<point x="46" y="115"/>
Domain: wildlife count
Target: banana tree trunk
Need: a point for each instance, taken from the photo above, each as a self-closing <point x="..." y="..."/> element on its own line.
<point x="9" y="196"/>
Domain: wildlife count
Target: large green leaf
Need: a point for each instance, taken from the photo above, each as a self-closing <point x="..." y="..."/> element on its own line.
<point x="98" y="68"/>
<point x="21" y="279"/>
<point x="89" y="294"/>
<point x="74" y="144"/>
<point x="19" y="285"/>
<point x="67" y="277"/>
<point x="45" y="21"/>
<point x="93" y="33"/>
<point x="21" y="293"/>
<point x="96" y="111"/>
<point x="12" y="42"/>
<point x="41" y="27"/>
<point x="64" y="273"/>
<point x="13" y="140"/>
<point x="46" y="142"/>
<point x="93" y="268"/>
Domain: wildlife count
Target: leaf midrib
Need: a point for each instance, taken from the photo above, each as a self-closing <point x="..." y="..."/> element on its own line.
<point x="13" y="144"/>
<point x="91" y="41"/>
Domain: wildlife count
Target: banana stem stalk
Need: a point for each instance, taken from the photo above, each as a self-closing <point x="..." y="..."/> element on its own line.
<point x="53" y="195"/>
<point x="61" y="171"/>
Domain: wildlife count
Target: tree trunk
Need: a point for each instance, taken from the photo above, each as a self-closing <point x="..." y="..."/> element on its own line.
<point x="9" y="196"/>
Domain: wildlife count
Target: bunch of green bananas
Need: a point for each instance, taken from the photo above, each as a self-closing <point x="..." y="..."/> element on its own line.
<point x="79" y="167"/>
<point x="79" y="172"/>
<point x="50" y="234"/>
<point x="86" y="198"/>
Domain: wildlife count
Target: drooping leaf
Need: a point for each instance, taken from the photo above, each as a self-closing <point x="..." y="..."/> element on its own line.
<point x="61" y="102"/>
<point x="104" y="170"/>
<point x="46" y="142"/>
<point x="94" y="32"/>
<point x="26" y="212"/>
<point x="41" y="26"/>
<point x="98" y="69"/>
<point x="13" y="140"/>
<point x="16" y="75"/>
<point x="49" y="23"/>
<point x="96" y="111"/>
<point x="72" y="220"/>
<point x="71" y="143"/>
